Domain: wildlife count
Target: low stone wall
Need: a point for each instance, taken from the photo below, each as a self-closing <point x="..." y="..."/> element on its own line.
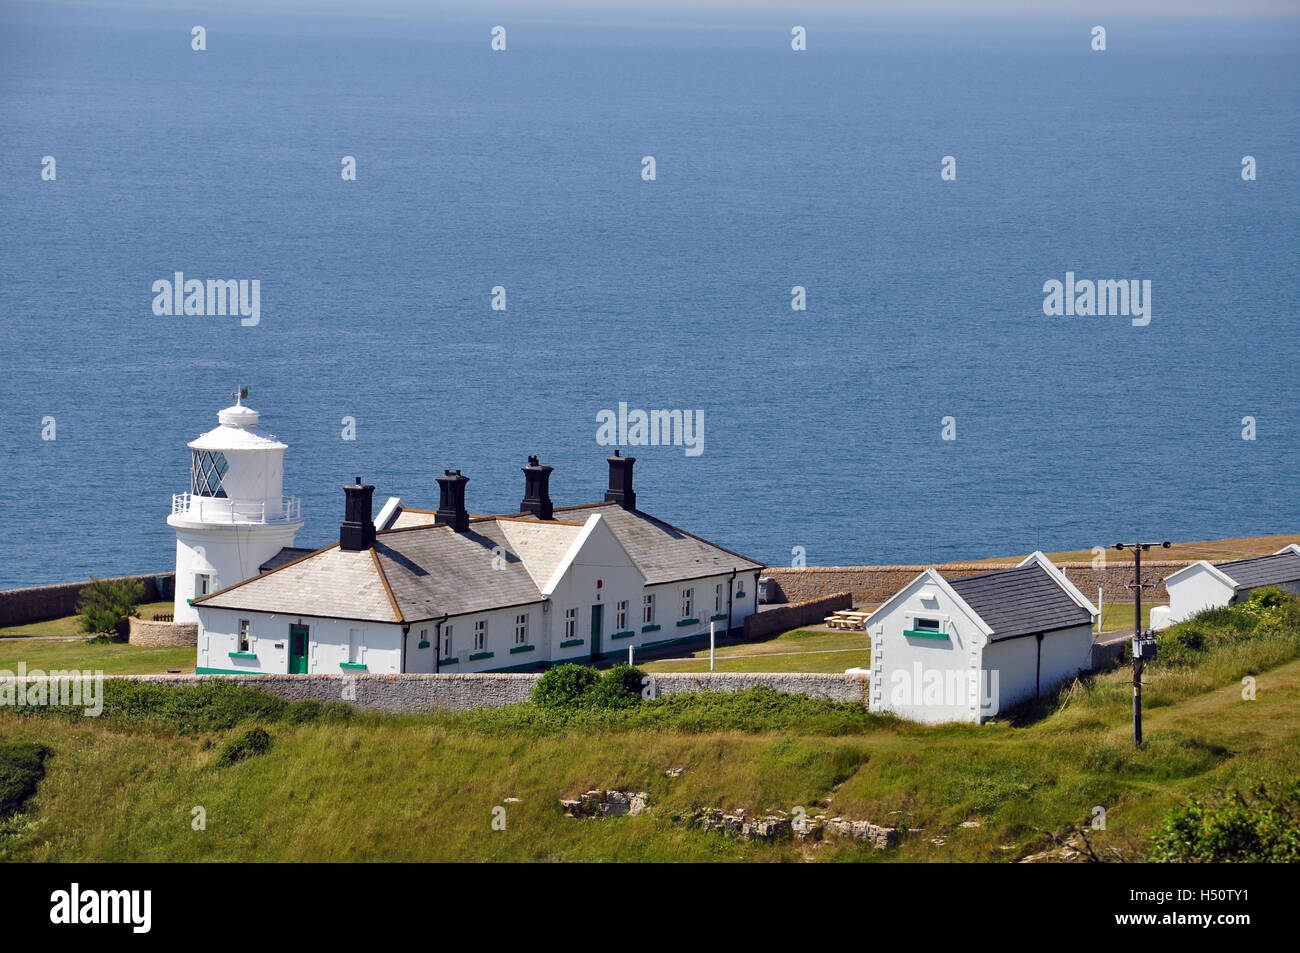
<point x="872" y="585"/>
<point x="21" y="606"/>
<point x="163" y="633"/>
<point x="423" y="693"/>
<point x="811" y="612"/>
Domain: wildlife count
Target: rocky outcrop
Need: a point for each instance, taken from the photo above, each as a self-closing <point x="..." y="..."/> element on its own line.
<point x="600" y="804"/>
<point x="778" y="825"/>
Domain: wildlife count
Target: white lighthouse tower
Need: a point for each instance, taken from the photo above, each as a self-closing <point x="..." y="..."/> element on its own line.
<point x="235" y="516"/>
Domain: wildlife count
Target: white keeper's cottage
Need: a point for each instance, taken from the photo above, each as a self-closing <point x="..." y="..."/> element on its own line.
<point x="443" y="591"/>
<point x="965" y="649"/>
<point x="235" y="516"/>
<point x="1203" y="585"/>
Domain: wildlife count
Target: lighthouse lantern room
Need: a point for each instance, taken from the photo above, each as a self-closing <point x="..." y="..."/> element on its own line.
<point x="235" y="516"/>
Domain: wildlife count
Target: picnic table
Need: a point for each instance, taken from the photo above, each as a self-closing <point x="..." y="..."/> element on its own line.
<point x="847" y="619"/>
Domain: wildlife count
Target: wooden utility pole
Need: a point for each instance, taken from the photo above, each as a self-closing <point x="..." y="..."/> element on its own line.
<point x="1144" y="646"/>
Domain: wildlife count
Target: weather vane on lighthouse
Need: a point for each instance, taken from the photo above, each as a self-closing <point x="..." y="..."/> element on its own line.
<point x="239" y="396"/>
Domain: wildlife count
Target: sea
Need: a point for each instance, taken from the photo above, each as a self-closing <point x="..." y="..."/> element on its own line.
<point x="920" y="407"/>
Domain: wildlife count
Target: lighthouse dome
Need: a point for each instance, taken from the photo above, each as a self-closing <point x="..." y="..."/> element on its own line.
<point x="237" y="431"/>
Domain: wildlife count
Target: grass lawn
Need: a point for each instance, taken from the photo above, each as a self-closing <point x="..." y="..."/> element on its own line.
<point x="424" y="787"/>
<point x="71" y="625"/>
<point x="117" y="658"/>
<point x="1118" y="616"/>
<point x="800" y="650"/>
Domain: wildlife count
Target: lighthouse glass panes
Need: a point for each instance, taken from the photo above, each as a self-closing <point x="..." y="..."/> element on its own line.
<point x="206" y="472"/>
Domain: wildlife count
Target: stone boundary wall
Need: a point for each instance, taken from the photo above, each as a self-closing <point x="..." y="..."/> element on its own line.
<point x="872" y="585"/>
<point x="423" y="693"/>
<point x="145" y="632"/>
<point x="39" y="603"/>
<point x="793" y="616"/>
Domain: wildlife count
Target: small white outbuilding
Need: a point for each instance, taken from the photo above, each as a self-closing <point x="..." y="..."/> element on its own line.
<point x="1203" y="585"/>
<point x="965" y="649"/>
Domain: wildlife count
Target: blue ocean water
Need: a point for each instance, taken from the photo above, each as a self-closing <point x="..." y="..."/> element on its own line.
<point x="822" y="428"/>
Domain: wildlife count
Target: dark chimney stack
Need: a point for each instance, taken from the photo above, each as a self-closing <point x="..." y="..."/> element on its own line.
<point x="537" y="490"/>
<point x="620" y="481"/>
<point x="451" y="501"/>
<point x="358" y="530"/>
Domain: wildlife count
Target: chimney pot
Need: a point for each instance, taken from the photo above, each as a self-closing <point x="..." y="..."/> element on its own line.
<point x="357" y="531"/>
<point x="451" y="501"/>
<point x="620" y="481"/>
<point x="537" y="490"/>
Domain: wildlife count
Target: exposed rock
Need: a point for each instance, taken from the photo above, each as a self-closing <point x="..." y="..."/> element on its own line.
<point x="674" y="772"/>
<point x="778" y="825"/>
<point x="601" y="804"/>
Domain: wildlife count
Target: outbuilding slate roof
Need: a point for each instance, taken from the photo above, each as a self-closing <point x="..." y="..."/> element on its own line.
<point x="1263" y="570"/>
<point x="1021" y="601"/>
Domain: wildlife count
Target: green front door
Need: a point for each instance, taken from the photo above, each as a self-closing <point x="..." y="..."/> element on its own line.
<point x="297" y="650"/>
<point x="597" y="617"/>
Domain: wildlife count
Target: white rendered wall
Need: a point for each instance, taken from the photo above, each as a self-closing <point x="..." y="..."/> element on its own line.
<point x="1195" y="589"/>
<point x="230" y="554"/>
<point x="923" y="679"/>
<point x="379" y="644"/>
<point x="1065" y="654"/>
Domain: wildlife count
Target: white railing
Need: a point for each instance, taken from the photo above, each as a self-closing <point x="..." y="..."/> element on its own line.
<point x="215" y="509"/>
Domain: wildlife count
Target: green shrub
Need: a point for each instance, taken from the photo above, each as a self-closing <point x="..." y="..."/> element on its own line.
<point x="252" y="742"/>
<point x="1268" y="616"/>
<point x="105" y="604"/>
<point x="309" y="710"/>
<point x="1268" y="597"/>
<point x="620" y="687"/>
<point x="22" y="766"/>
<point x="1260" y="826"/>
<point x="1190" y="638"/>
<point x="564" y="686"/>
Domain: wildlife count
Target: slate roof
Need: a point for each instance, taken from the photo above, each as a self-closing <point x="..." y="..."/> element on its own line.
<point x="1021" y="601"/>
<point x="1263" y="570"/>
<point x="661" y="551"/>
<point x="424" y="572"/>
<point x="435" y="571"/>
<point x="287" y="554"/>
<point x="330" y="583"/>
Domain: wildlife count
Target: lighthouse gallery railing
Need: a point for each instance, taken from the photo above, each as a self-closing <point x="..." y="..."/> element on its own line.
<point x="214" y="509"/>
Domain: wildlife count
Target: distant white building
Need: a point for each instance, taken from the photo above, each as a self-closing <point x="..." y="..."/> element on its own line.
<point x="965" y="649"/>
<point x="445" y="591"/>
<point x="1203" y="585"/>
<point x="235" y="516"/>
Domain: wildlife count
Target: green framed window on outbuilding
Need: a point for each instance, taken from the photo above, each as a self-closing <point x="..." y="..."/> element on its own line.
<point x="923" y="628"/>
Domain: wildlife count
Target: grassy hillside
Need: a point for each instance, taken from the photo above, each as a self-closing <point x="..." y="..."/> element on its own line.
<point x="370" y="787"/>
